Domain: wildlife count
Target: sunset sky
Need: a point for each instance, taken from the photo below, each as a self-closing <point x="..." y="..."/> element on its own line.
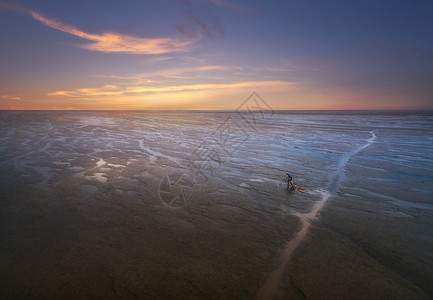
<point x="212" y="54"/>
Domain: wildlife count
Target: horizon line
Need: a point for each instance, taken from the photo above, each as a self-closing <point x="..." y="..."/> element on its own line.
<point x="226" y="110"/>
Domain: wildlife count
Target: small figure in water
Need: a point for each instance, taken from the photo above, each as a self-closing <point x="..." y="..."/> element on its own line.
<point x="289" y="181"/>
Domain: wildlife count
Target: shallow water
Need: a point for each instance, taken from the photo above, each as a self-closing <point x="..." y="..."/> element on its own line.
<point x="79" y="184"/>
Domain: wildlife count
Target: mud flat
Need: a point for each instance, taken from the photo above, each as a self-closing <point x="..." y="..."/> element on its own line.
<point x="373" y="239"/>
<point x="86" y="209"/>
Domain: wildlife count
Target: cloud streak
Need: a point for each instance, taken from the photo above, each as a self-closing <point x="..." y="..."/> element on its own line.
<point x="111" y="42"/>
<point x="199" y="79"/>
<point x="178" y="87"/>
<point x="199" y="20"/>
<point x="111" y="90"/>
<point x="232" y="6"/>
<point x="10" y="97"/>
<point x="186" y="73"/>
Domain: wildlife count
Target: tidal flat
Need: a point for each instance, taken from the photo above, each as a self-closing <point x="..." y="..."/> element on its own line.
<point x="191" y="205"/>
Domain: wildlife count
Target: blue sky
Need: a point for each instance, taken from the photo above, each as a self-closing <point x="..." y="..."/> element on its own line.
<point x="211" y="54"/>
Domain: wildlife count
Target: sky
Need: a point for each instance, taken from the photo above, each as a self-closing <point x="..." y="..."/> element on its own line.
<point x="212" y="54"/>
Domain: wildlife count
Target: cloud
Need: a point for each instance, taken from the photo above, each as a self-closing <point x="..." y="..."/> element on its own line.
<point x="176" y="87"/>
<point x="232" y="6"/>
<point x="187" y="72"/>
<point x="199" y="20"/>
<point x="156" y="59"/>
<point x="112" y="41"/>
<point x="10" y="97"/>
<point x="125" y="90"/>
<point x="207" y="77"/>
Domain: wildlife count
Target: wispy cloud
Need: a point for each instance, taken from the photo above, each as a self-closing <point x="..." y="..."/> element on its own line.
<point x="112" y="41"/>
<point x="127" y="90"/>
<point x="232" y="6"/>
<point x="186" y="72"/>
<point x="9" y="97"/>
<point x="179" y="86"/>
<point x="201" y="79"/>
<point x="156" y="59"/>
<point x="199" y="20"/>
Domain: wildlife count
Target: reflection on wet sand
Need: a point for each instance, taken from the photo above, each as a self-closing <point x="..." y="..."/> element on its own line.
<point x="82" y="213"/>
<point x="272" y="286"/>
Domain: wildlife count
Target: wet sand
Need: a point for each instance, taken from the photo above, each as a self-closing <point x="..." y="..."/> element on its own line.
<point x="86" y="208"/>
<point x="273" y="286"/>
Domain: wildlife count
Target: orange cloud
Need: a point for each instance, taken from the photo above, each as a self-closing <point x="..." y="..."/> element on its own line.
<point x="110" y="90"/>
<point x="111" y="41"/>
<point x="10" y="97"/>
<point x="199" y="87"/>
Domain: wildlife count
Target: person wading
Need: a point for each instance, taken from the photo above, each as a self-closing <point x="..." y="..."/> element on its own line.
<point x="289" y="181"/>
